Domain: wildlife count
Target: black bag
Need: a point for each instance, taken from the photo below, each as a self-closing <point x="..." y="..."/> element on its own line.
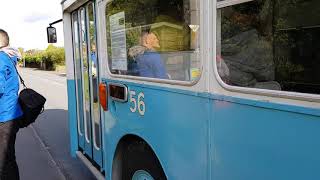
<point x="31" y="102"/>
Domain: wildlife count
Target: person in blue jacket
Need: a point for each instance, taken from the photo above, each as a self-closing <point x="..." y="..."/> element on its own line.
<point x="148" y="61"/>
<point x="10" y="110"/>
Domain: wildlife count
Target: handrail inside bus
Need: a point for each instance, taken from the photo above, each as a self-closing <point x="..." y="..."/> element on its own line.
<point x="299" y="28"/>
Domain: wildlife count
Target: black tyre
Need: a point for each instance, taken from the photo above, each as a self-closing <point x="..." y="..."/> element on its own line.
<point x="137" y="161"/>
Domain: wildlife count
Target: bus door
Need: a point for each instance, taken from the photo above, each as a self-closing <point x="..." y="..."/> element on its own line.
<point x="86" y="79"/>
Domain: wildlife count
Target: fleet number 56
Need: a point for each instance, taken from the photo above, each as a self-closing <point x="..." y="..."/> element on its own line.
<point x="137" y="105"/>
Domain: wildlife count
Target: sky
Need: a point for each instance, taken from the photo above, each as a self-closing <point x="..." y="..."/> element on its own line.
<point x="26" y="22"/>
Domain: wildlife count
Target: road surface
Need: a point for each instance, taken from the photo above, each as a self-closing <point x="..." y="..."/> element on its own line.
<point x="42" y="149"/>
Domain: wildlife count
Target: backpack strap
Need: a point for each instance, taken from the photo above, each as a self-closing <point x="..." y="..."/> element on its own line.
<point x="21" y="80"/>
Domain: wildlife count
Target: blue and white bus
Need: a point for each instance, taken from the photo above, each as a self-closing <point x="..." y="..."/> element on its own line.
<point x="194" y="89"/>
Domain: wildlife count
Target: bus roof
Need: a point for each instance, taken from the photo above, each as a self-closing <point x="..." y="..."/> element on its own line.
<point x="70" y="5"/>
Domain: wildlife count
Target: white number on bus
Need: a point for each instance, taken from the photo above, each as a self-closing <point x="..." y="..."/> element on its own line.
<point x="140" y="105"/>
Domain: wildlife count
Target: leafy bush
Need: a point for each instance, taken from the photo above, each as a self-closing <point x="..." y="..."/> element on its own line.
<point x="48" y="59"/>
<point x="53" y="56"/>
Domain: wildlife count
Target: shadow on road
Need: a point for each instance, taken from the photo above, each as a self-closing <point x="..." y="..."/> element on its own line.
<point x="52" y="132"/>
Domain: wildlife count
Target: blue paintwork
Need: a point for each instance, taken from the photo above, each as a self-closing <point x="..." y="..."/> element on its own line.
<point x="162" y="126"/>
<point x="209" y="136"/>
<point x="260" y="143"/>
<point x="72" y="116"/>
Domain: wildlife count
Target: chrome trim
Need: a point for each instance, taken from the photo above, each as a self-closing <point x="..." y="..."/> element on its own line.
<point x="84" y="18"/>
<point x="75" y="69"/>
<point x="226" y="3"/>
<point x="93" y="127"/>
<point x="125" y="99"/>
<point x="87" y="163"/>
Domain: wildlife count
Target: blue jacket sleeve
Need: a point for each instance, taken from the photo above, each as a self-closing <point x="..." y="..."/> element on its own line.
<point x="159" y="68"/>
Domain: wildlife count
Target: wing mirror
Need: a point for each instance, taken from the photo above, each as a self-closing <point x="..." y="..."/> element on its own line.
<point x="51" y="34"/>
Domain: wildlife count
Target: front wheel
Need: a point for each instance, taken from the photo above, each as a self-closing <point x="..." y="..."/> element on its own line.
<point x="137" y="161"/>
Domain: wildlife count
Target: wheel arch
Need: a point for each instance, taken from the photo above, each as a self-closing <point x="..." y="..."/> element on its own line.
<point x="125" y="141"/>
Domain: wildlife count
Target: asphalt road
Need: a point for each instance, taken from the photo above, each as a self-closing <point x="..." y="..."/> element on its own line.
<point x="42" y="149"/>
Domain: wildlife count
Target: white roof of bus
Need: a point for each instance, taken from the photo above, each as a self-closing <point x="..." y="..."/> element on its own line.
<point x="70" y="5"/>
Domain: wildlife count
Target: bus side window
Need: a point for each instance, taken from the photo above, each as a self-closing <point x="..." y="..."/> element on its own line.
<point x="154" y="40"/>
<point x="264" y="45"/>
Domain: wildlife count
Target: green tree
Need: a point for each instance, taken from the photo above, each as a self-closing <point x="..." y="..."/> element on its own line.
<point x="53" y="56"/>
<point x="48" y="59"/>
